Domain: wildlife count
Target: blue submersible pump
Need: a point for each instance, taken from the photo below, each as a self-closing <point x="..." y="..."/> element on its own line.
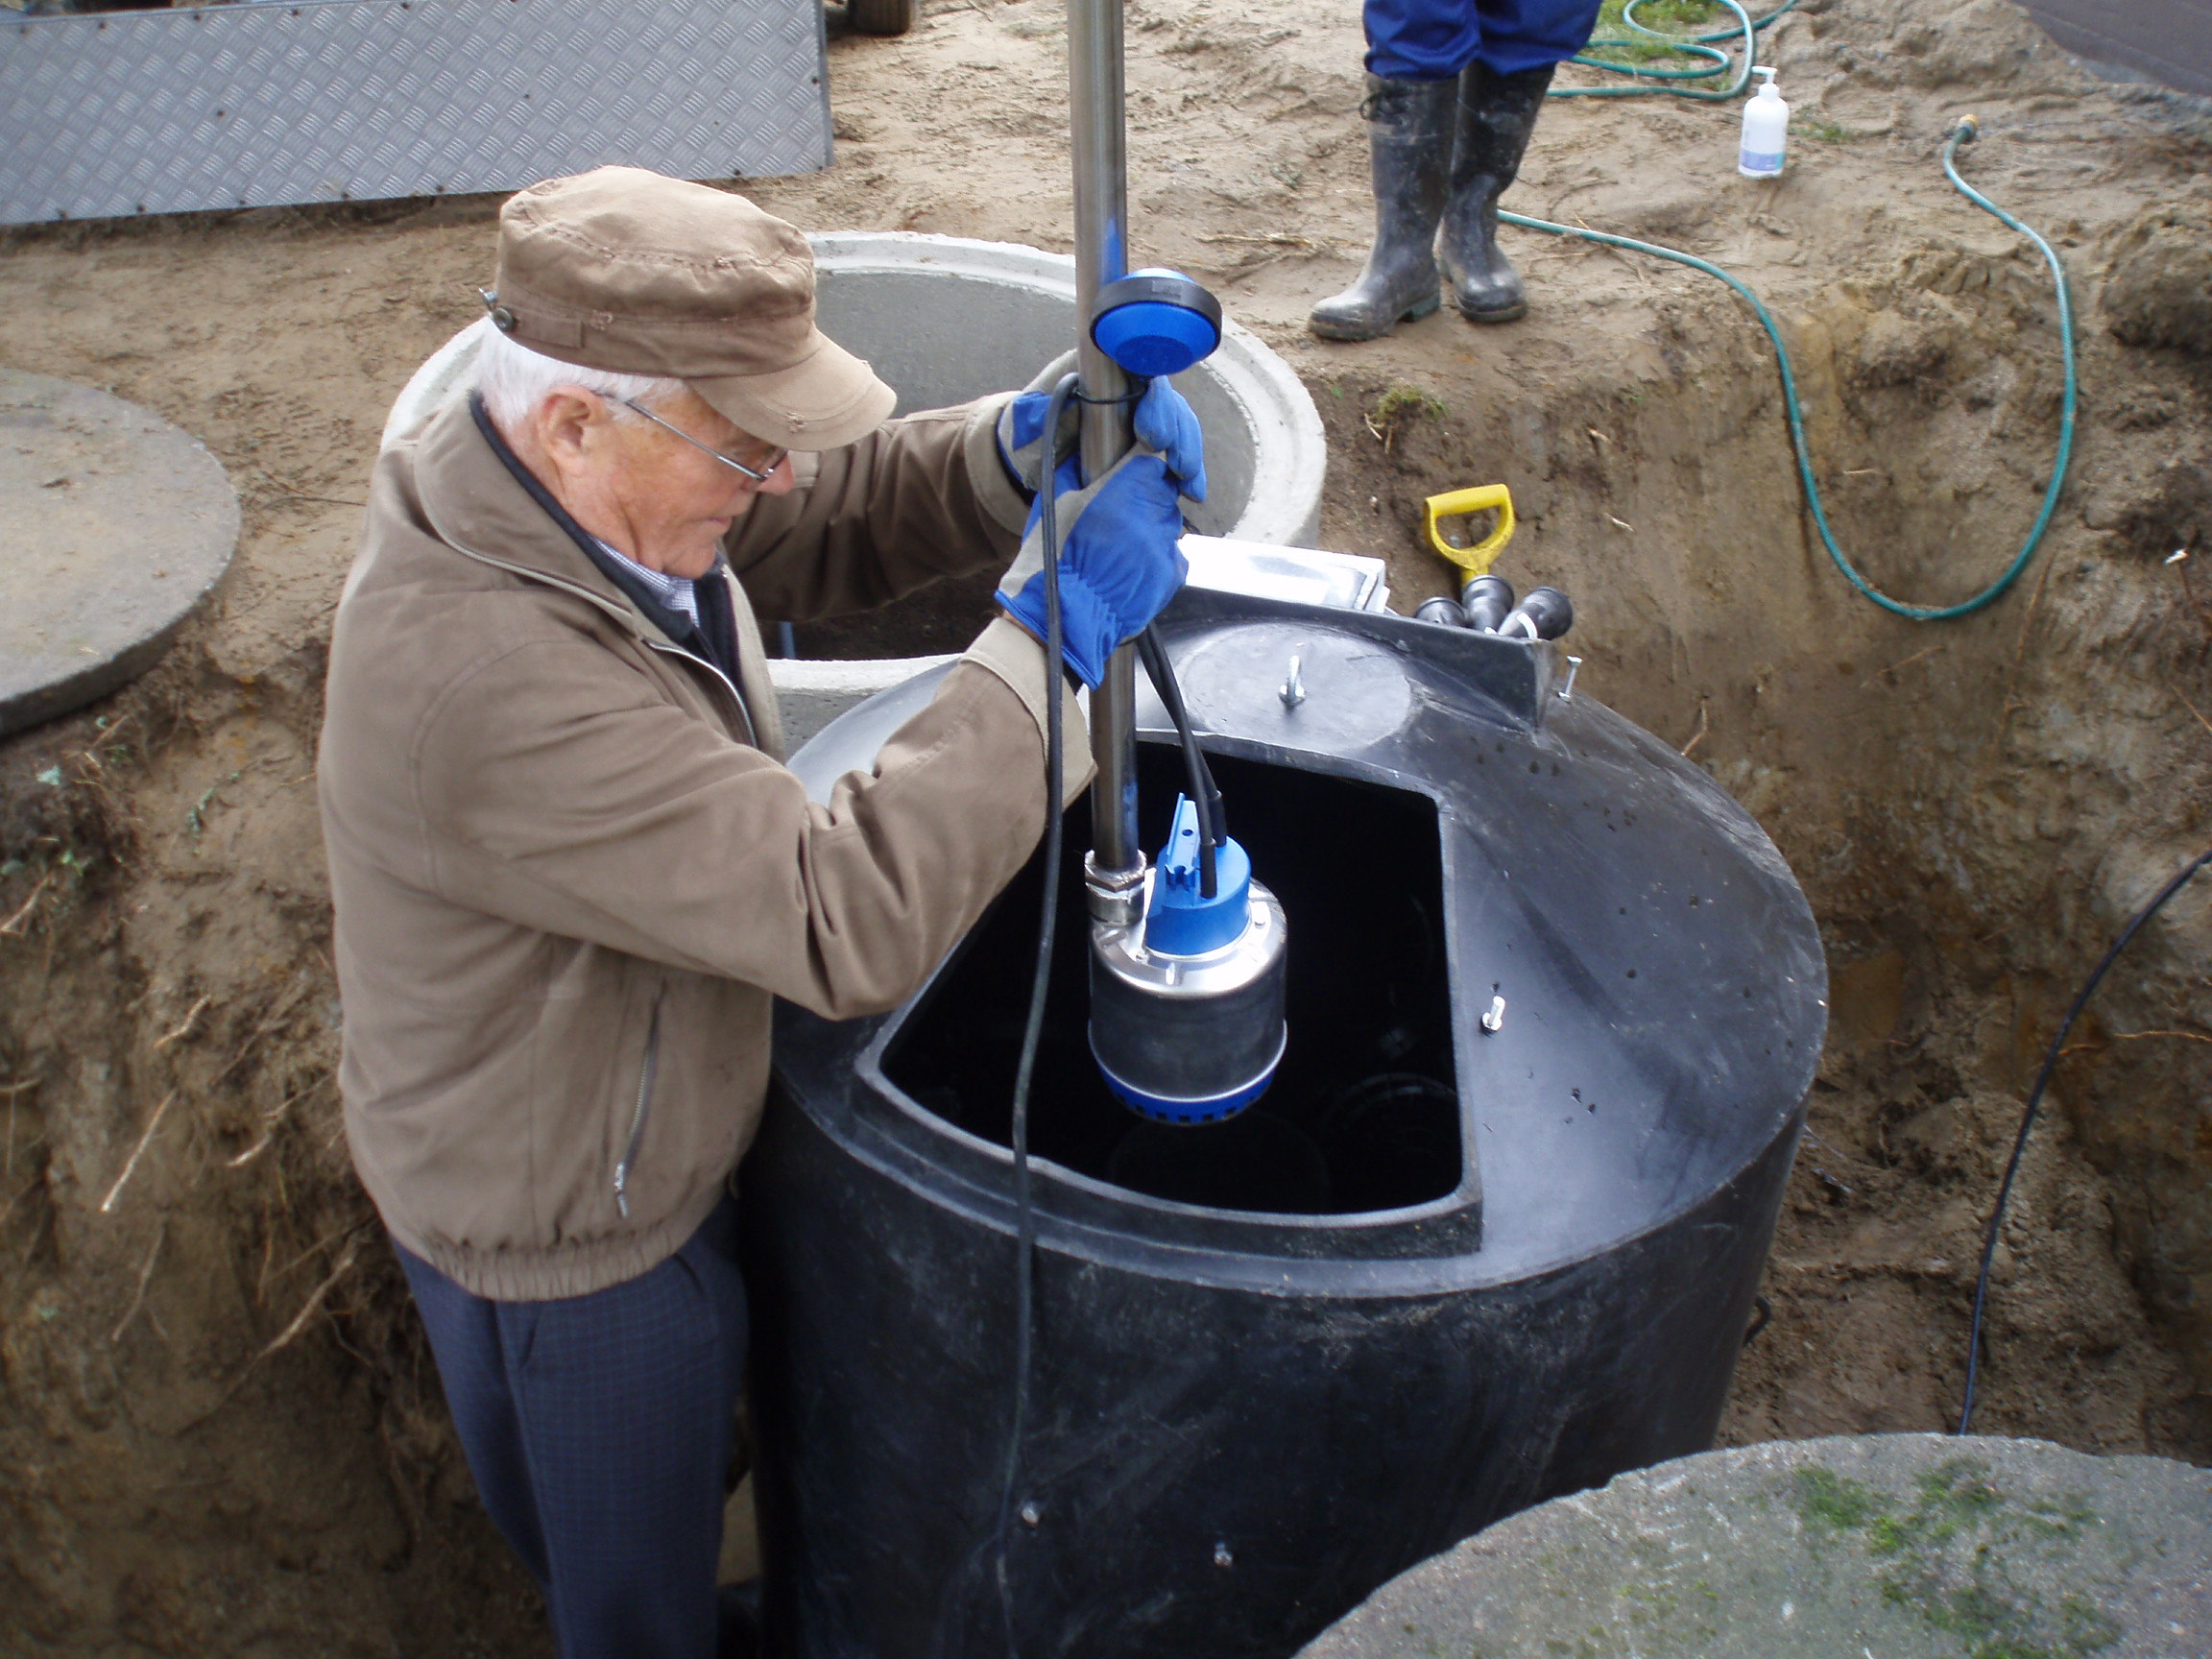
<point x="1187" y="956"/>
<point x="1186" y="959"/>
<point x="1186" y="1000"/>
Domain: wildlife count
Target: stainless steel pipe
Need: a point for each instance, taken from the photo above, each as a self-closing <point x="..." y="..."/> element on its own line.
<point x="1096" y="106"/>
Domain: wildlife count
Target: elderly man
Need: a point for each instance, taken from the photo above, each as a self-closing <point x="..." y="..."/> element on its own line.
<point x="570" y="872"/>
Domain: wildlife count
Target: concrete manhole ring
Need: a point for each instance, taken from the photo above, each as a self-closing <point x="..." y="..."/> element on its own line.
<point x="1888" y="1545"/>
<point x="113" y="527"/>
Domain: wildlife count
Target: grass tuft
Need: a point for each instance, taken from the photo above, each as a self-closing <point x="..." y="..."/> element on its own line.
<point x="1679" y="16"/>
<point x="1397" y="408"/>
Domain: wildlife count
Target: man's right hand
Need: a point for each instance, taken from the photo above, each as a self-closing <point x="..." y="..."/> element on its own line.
<point x="1119" y="564"/>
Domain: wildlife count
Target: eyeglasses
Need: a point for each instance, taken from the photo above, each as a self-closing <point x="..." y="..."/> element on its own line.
<point x="759" y="477"/>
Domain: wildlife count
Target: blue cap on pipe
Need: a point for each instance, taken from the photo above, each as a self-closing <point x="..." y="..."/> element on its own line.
<point x="1155" y="322"/>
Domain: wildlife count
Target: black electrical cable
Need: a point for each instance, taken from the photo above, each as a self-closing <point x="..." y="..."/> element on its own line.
<point x="1213" y="826"/>
<point x="1213" y="830"/>
<point x="2028" y="1119"/>
<point x="1047" y="925"/>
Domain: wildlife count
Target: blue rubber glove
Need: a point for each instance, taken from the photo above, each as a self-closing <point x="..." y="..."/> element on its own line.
<point x="1119" y="564"/>
<point x="1163" y="420"/>
<point x="1021" y="424"/>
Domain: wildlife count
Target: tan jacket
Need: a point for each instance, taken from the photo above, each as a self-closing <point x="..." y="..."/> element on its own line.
<point x="570" y="870"/>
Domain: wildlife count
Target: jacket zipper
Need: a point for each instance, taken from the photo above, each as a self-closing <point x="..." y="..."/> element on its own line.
<point x="629" y="1161"/>
<point x="736" y="696"/>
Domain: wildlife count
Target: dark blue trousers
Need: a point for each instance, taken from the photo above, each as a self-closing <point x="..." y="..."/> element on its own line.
<point x="598" y="1429"/>
<point x="1434" y="39"/>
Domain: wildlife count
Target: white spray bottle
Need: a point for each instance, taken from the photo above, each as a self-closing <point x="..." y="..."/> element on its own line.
<point x="1766" y="130"/>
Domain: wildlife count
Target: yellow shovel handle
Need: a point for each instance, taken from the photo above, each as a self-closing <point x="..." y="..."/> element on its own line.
<point x="1458" y="503"/>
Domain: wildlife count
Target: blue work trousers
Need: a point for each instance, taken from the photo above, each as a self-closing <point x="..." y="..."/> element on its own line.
<point x="598" y="1429"/>
<point x="1434" y="39"/>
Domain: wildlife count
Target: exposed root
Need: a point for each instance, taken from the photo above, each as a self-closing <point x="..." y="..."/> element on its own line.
<point x="8" y="1212"/>
<point x="152" y="1124"/>
<point x="2180" y="562"/>
<point x="307" y="1254"/>
<point x="311" y="1307"/>
<point x="273" y="1120"/>
<point x="145" y="1277"/>
<point x="14" y="923"/>
<point x="270" y="1022"/>
<point x="184" y="1026"/>
<point x="291" y="1332"/>
<point x="2019" y="659"/>
<point x="2184" y="696"/>
<point x="1882" y="673"/>
<point x="1279" y="240"/>
<point x="1698" y="736"/>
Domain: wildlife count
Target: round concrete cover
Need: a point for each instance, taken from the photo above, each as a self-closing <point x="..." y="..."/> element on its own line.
<point x="113" y="525"/>
<point x="1881" y="1546"/>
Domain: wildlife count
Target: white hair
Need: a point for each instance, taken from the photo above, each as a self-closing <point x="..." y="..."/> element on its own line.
<point x="514" y="380"/>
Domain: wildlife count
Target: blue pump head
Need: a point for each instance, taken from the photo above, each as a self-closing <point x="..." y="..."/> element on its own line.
<point x="1155" y="322"/>
<point x="1181" y="920"/>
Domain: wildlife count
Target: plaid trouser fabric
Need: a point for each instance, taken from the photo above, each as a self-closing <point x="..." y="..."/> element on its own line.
<point x="598" y="1429"/>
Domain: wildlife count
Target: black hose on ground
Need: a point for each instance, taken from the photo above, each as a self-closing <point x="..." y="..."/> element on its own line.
<point x="2028" y="1119"/>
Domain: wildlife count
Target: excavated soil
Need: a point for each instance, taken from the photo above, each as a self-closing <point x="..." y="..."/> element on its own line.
<point x="220" y="1433"/>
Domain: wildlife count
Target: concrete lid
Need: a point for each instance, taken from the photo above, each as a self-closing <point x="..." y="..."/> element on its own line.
<point x="1879" y="1547"/>
<point x="113" y="525"/>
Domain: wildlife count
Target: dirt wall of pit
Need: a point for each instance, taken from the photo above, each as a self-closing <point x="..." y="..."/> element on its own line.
<point x="1974" y="807"/>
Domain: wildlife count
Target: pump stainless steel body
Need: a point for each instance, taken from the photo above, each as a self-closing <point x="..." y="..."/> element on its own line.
<point x="1189" y="1039"/>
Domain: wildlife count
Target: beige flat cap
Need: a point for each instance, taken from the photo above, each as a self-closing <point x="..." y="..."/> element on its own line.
<point x="627" y="271"/>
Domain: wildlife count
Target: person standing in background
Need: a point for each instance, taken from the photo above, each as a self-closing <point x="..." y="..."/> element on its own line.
<point x="1453" y="87"/>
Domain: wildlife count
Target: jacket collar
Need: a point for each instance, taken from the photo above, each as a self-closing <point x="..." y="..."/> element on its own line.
<point x="625" y="575"/>
<point x="475" y="501"/>
<point x="476" y="505"/>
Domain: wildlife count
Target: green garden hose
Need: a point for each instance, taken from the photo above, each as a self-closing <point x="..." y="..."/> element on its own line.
<point x="1716" y="63"/>
<point x="1963" y="133"/>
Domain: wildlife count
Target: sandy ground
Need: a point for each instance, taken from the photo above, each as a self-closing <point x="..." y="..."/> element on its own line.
<point x="219" y="1433"/>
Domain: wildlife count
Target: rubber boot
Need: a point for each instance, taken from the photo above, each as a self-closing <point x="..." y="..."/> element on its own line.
<point x="1410" y="152"/>
<point x="1497" y="115"/>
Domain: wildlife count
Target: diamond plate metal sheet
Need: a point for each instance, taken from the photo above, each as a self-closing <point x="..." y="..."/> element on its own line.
<point x="249" y="106"/>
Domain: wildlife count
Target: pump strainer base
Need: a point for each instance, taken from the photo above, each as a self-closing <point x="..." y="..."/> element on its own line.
<point x="1210" y="1109"/>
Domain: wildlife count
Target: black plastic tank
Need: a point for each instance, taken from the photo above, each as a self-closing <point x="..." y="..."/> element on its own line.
<point x="1440" y="1273"/>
